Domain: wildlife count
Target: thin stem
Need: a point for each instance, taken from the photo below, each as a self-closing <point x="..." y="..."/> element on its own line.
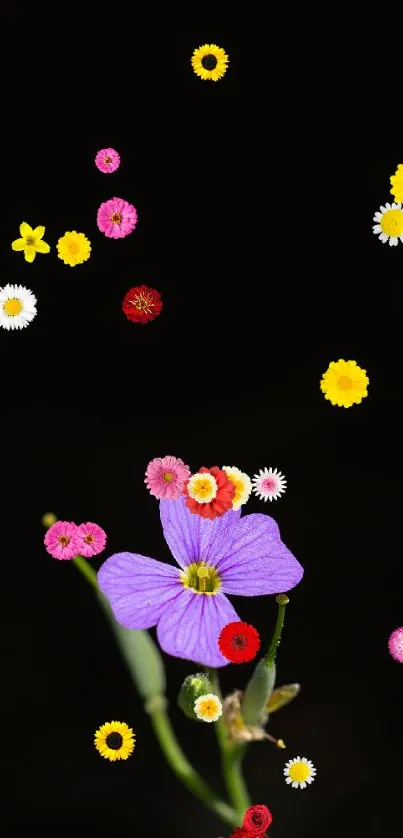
<point x="86" y="570"/>
<point x="282" y="601"/>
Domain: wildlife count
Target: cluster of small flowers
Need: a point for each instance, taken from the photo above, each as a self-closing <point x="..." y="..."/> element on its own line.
<point x="64" y="540"/>
<point x="389" y="220"/>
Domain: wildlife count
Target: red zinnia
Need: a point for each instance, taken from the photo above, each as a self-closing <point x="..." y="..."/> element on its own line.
<point x="142" y="304"/>
<point x="239" y="642"/>
<point x="222" y="501"/>
<point x="257" y="819"/>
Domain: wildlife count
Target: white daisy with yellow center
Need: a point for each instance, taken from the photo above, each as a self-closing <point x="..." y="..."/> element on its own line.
<point x="242" y="483"/>
<point x="17" y="307"/>
<point x="299" y="772"/>
<point x="208" y="708"/>
<point x="202" y="488"/>
<point x="389" y="226"/>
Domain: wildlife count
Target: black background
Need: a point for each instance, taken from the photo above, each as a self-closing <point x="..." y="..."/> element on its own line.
<point x="255" y="198"/>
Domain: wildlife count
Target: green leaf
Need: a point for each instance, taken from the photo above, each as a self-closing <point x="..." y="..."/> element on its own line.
<point x="257" y="693"/>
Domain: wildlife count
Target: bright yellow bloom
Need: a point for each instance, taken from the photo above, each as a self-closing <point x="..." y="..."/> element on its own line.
<point x="208" y="708"/>
<point x="397" y="184"/>
<point x="30" y="242"/>
<point x="74" y="248"/>
<point x="344" y="383"/>
<point x="209" y="62"/>
<point x="242" y="483"/>
<point x="115" y="740"/>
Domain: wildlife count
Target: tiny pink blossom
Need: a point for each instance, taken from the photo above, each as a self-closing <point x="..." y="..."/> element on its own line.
<point x="116" y="218"/>
<point x="92" y="539"/>
<point x="61" y="540"/>
<point x="395" y="644"/>
<point x="107" y="160"/>
<point x="166" y="477"/>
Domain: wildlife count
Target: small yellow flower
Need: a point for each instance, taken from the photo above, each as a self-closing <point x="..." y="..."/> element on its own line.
<point x="208" y="707"/>
<point x="209" y="62"/>
<point x="397" y="184"/>
<point x="299" y="772"/>
<point x="344" y="383"/>
<point x="202" y="487"/>
<point x="115" y="740"/>
<point x="242" y="483"/>
<point x="74" y="248"/>
<point x="30" y="242"/>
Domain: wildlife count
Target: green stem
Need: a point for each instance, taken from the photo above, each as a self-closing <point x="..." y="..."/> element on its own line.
<point x="166" y="736"/>
<point x="231" y="759"/>
<point x="282" y="601"/>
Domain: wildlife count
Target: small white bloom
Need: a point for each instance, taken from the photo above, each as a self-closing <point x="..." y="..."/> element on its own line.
<point x="17" y="307"/>
<point x="389" y="226"/>
<point x="269" y="484"/>
<point x="208" y="707"/>
<point x="299" y="772"/>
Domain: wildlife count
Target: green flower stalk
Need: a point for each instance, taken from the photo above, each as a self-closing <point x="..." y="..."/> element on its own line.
<point x="261" y="685"/>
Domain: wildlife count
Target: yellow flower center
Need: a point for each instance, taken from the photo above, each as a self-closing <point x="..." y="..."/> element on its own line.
<point x="201" y="578"/>
<point x="299" y="772"/>
<point x="12" y="306"/>
<point x="392" y="222"/>
<point x="116" y="217"/>
<point x="345" y="382"/>
<point x="208" y="708"/>
<point x="74" y="247"/>
<point x="168" y="476"/>
<point x="30" y="241"/>
<point x="64" y="540"/>
<point x="89" y="538"/>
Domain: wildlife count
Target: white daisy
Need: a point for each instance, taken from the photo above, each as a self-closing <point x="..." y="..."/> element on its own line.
<point x="242" y="483"/>
<point x="269" y="484"/>
<point x="208" y="708"/>
<point x="17" y="307"/>
<point x="299" y="772"/>
<point x="389" y="226"/>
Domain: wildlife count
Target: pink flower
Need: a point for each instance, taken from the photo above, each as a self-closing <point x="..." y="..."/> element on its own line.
<point x="92" y="539"/>
<point x="116" y="218"/>
<point x="166" y="477"/>
<point x="395" y="644"/>
<point x="107" y="160"/>
<point x="61" y="540"/>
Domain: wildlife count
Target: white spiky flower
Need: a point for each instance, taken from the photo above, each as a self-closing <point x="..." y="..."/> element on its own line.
<point x="269" y="484"/>
<point x="17" y="307"/>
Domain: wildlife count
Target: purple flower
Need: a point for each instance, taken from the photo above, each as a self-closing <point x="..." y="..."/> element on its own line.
<point x="229" y="555"/>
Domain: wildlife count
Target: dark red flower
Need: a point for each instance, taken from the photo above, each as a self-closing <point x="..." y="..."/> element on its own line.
<point x="239" y="642"/>
<point x="256" y="820"/>
<point x="142" y="304"/>
<point x="240" y="832"/>
<point x="221" y="503"/>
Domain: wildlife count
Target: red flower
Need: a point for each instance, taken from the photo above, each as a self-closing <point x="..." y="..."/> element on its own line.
<point x="256" y="820"/>
<point x="243" y="833"/>
<point x="239" y="642"/>
<point x="142" y="304"/>
<point x="221" y="503"/>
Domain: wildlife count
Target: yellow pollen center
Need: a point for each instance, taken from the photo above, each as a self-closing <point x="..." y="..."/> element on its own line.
<point x="392" y="222"/>
<point x="116" y="217"/>
<point x="74" y="247"/>
<point x="201" y="578"/>
<point x="89" y="539"/>
<point x="168" y="477"/>
<point x="12" y="306"/>
<point x="208" y="708"/>
<point x="299" y="772"/>
<point x="63" y="540"/>
<point x="142" y="303"/>
<point x="30" y="241"/>
<point x="345" y="382"/>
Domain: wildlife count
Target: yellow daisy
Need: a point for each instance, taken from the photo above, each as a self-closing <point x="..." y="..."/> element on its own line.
<point x="209" y="62"/>
<point x="397" y="184"/>
<point x="74" y="248"/>
<point x="344" y="383"/>
<point x="299" y="772"/>
<point x="30" y="242"/>
<point x="115" y="740"/>
<point x="208" y="707"/>
<point x="242" y="483"/>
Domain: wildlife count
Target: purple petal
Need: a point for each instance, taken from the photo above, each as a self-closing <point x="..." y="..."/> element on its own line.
<point x="190" y="537"/>
<point x="191" y="626"/>
<point x="138" y="588"/>
<point x="257" y="562"/>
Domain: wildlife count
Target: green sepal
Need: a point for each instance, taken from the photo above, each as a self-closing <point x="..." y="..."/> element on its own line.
<point x="192" y="688"/>
<point x="282" y="696"/>
<point x="257" y="693"/>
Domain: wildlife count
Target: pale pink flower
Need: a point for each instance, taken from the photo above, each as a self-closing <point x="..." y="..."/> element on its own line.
<point x="116" y="218"/>
<point x="395" y="644"/>
<point x="166" y="477"/>
<point x="61" y="540"/>
<point x="92" y="539"/>
<point x="107" y="160"/>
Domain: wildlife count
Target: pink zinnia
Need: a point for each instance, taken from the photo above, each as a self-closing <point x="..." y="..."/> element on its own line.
<point x="395" y="644"/>
<point x="61" y="540"/>
<point x="116" y="218"/>
<point x="166" y="477"/>
<point x="92" y="539"/>
<point x="107" y="160"/>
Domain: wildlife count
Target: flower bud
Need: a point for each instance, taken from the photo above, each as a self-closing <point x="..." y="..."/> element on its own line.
<point x="192" y="688"/>
<point x="258" y="692"/>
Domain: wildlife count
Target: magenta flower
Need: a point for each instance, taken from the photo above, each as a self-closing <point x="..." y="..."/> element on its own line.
<point x="61" y="540"/>
<point x="227" y="555"/>
<point x="107" y="160"/>
<point x="92" y="539"/>
<point x="166" y="477"/>
<point x="116" y="218"/>
<point x="395" y="644"/>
